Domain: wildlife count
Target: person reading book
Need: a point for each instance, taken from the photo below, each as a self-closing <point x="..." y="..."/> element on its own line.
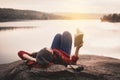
<point x="59" y="53"/>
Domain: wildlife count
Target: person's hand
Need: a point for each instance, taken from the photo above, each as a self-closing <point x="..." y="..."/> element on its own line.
<point x="34" y="59"/>
<point x="80" y="45"/>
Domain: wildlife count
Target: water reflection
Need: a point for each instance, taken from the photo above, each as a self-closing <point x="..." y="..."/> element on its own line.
<point x="14" y="28"/>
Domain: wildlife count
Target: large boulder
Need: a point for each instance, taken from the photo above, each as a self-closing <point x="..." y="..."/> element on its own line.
<point x="95" y="68"/>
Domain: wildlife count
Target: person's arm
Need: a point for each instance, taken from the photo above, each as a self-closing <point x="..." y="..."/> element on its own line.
<point x="26" y="56"/>
<point x="75" y="57"/>
<point x="77" y="50"/>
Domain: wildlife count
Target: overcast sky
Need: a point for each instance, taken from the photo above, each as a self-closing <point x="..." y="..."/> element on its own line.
<point x="89" y="6"/>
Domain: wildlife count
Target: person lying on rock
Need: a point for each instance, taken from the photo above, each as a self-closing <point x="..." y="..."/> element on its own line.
<point x="59" y="53"/>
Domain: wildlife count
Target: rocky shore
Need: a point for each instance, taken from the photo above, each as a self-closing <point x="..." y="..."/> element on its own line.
<point x="95" y="68"/>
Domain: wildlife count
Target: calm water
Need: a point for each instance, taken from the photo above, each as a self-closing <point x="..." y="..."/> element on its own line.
<point x="99" y="38"/>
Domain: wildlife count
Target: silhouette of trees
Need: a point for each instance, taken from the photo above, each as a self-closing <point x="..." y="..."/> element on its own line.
<point x="14" y="14"/>
<point x="111" y="18"/>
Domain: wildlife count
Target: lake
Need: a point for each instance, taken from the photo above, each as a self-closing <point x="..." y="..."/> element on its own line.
<point x="100" y="38"/>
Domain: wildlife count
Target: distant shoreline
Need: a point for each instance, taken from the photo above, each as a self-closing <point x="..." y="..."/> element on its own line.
<point x="18" y="15"/>
<point x="8" y="14"/>
<point x="114" y="18"/>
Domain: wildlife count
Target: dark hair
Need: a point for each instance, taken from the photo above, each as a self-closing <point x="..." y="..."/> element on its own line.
<point x="44" y="57"/>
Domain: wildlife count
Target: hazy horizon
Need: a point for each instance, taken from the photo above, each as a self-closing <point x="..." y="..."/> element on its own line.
<point x="54" y="6"/>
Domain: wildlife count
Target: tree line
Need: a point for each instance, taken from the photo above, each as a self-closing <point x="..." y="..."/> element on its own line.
<point x="7" y="14"/>
<point x="111" y="17"/>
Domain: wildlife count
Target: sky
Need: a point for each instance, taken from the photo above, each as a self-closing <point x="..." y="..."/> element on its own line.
<point x="83" y="6"/>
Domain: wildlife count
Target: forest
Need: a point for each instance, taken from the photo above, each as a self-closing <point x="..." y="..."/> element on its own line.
<point x="8" y="14"/>
<point x="111" y="18"/>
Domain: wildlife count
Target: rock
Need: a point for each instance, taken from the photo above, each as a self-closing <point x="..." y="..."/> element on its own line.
<point x="104" y="67"/>
<point x="95" y="68"/>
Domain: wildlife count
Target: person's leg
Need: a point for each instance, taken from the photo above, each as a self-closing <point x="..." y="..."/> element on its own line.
<point x="56" y="41"/>
<point x="66" y="42"/>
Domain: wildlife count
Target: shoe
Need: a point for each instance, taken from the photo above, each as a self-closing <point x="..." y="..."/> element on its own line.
<point x="76" y="68"/>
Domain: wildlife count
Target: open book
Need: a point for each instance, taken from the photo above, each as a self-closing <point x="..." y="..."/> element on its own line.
<point x="78" y="38"/>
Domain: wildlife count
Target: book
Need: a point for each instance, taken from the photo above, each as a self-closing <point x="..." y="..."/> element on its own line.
<point x="78" y="38"/>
